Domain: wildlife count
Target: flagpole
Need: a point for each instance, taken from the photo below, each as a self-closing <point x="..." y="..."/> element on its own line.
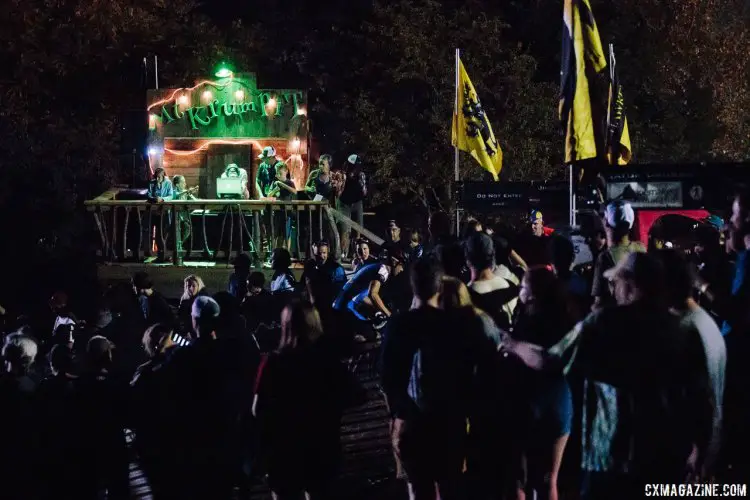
<point x="455" y="146"/>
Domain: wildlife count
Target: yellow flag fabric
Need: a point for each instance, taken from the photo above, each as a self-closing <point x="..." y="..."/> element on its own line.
<point x="582" y="51"/>
<point x="472" y="131"/>
<point x="619" y="150"/>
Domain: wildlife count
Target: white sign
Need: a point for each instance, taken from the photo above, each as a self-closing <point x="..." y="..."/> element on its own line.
<point x="583" y="253"/>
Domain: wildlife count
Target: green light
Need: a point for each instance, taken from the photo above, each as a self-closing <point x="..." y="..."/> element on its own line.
<point x="223" y="71"/>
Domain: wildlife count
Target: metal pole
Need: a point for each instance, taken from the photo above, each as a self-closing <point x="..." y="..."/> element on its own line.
<point x="455" y="146"/>
<point x="573" y="219"/>
<point x="156" y="71"/>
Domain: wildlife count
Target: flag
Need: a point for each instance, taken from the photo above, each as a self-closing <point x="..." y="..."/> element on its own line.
<point x="619" y="151"/>
<point x="472" y="131"/>
<point x="582" y="53"/>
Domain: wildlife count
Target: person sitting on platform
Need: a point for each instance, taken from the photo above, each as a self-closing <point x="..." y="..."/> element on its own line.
<point x="233" y="171"/>
<point x="283" y="189"/>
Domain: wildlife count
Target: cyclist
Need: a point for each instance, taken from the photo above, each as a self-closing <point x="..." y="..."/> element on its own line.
<point x="363" y="294"/>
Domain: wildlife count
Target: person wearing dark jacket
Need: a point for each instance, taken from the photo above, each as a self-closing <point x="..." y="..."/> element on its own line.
<point x="208" y="395"/>
<point x="429" y="360"/>
<point x="303" y="377"/>
<point x="153" y="305"/>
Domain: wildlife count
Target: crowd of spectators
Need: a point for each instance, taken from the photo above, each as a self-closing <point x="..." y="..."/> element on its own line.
<point x="507" y="373"/>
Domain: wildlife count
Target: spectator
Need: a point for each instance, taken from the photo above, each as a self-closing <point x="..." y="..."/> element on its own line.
<point x="238" y="279"/>
<point x="18" y="419"/>
<point x="324" y="278"/>
<point x="618" y="221"/>
<point x="283" y="280"/>
<point x="621" y="351"/>
<point x="680" y="295"/>
<point x="352" y="199"/>
<point x="490" y="293"/>
<point x="301" y="455"/>
<point x="61" y="466"/>
<point x="429" y="361"/>
<point x="153" y="305"/>
<point x="546" y="317"/>
<point x="535" y="249"/>
<point x="415" y="249"/>
<point x="562" y="255"/>
<point x="204" y="380"/>
<point x="58" y="303"/>
<point x="150" y="409"/>
<point x="364" y="257"/>
<point x="258" y="303"/>
<point x="193" y="287"/>
<point x="472" y="226"/>
<point x="103" y="444"/>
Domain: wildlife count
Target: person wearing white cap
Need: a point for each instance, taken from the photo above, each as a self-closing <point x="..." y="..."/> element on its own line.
<point x="618" y="219"/>
<point x="352" y="198"/>
<point x="266" y="171"/>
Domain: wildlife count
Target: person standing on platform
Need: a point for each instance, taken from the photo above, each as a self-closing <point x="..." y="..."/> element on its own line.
<point x="160" y="189"/>
<point x="320" y="183"/>
<point x="283" y="189"/>
<point x="352" y="198"/>
<point x="182" y="192"/>
<point x="266" y="174"/>
<point x="264" y="179"/>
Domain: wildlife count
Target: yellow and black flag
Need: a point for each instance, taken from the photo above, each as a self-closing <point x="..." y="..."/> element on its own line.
<point x="472" y="131"/>
<point x="582" y="54"/>
<point x="619" y="151"/>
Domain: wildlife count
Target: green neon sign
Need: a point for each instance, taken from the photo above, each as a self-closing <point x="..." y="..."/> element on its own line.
<point x="205" y="116"/>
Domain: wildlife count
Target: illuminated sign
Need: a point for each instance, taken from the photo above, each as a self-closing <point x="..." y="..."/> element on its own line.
<point x="264" y="103"/>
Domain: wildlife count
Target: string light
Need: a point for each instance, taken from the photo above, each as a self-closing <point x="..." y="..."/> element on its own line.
<point x="295" y="144"/>
<point x="207" y="95"/>
<point x="216" y="85"/>
<point x="152" y="121"/>
<point x="183" y="100"/>
<point x="239" y="95"/>
<point x="205" y="145"/>
<point x="301" y="111"/>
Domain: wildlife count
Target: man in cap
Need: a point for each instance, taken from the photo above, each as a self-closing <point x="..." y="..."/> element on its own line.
<point x="202" y="380"/>
<point x="352" y="198"/>
<point x="266" y="174"/>
<point x="618" y="221"/>
<point x="647" y="403"/>
<point x="535" y="245"/>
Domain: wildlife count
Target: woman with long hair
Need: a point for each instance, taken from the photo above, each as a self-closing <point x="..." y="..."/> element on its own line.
<point x="193" y="287"/>
<point x="546" y="316"/>
<point x="301" y="392"/>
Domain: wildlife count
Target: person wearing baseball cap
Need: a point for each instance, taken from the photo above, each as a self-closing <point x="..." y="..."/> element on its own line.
<point x="266" y="171"/>
<point x="618" y="220"/>
<point x="534" y="248"/>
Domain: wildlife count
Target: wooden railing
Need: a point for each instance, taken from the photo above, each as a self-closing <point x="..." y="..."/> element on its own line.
<point x="216" y="229"/>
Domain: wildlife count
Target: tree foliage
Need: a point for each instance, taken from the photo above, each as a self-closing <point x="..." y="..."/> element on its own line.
<point x="381" y="76"/>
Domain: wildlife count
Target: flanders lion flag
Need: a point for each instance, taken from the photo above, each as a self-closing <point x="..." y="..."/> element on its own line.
<point x="472" y="131"/>
<point x="582" y="54"/>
